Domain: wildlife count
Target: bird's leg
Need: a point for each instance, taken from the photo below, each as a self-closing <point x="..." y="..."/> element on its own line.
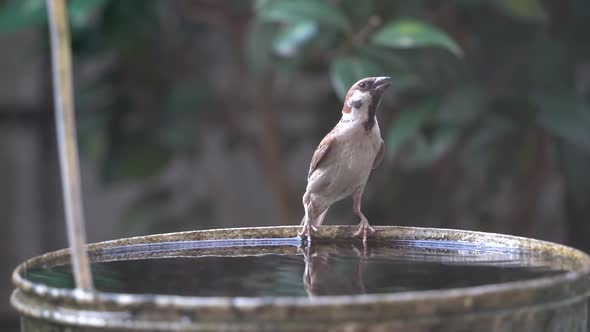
<point x="305" y="222"/>
<point x="364" y="224"/>
<point x="310" y="214"/>
<point x="305" y="200"/>
<point x="307" y="229"/>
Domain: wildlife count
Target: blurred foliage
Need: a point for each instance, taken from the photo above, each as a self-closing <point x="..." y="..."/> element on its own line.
<point x="443" y="95"/>
<point x="130" y="138"/>
<point x="489" y="88"/>
<point x="354" y="41"/>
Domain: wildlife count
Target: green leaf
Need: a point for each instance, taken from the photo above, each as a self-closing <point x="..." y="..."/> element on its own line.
<point x="345" y="71"/>
<point x="385" y="57"/>
<point x="525" y="9"/>
<point x="80" y="11"/>
<point x="410" y="33"/>
<point x="185" y="96"/>
<point x="177" y="128"/>
<point x="549" y="65"/>
<point x="408" y="123"/>
<point x="479" y="153"/>
<point x="289" y="11"/>
<point x="471" y="3"/>
<point x="357" y="11"/>
<point x="259" y="46"/>
<point x="147" y="211"/>
<point x="28" y="13"/>
<point x="91" y="126"/>
<point x="565" y="116"/>
<point x="462" y="105"/>
<point x="427" y="150"/>
<point x="289" y="41"/>
<point x="261" y="4"/>
<point x="391" y="62"/>
<point x="575" y="163"/>
<point x="22" y="14"/>
<point x="136" y="162"/>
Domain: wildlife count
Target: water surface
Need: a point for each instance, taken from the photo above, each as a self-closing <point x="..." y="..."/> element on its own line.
<point x="279" y="268"/>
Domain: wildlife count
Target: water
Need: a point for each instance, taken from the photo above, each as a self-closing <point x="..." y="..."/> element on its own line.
<point x="276" y="267"/>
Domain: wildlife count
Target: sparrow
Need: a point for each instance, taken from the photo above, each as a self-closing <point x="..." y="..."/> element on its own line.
<point x="345" y="157"/>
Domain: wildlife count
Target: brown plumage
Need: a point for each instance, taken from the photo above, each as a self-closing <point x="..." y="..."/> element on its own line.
<point x="342" y="162"/>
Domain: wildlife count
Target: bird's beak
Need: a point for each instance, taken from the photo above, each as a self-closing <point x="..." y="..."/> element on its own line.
<point x="380" y="84"/>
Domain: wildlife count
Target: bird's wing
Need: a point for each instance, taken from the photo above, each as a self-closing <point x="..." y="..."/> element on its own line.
<point x="379" y="158"/>
<point x="321" y="152"/>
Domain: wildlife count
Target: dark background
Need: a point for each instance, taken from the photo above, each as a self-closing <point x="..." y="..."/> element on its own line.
<point x="201" y="114"/>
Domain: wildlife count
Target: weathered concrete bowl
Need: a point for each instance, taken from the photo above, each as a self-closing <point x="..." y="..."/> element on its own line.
<point x="555" y="303"/>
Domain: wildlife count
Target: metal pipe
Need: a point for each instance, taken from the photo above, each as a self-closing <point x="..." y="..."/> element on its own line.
<point x="67" y="144"/>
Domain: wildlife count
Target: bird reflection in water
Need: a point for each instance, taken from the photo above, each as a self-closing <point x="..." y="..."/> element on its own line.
<point x="325" y="275"/>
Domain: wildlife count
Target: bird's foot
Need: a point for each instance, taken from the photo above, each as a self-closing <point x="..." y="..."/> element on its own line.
<point x="364" y="227"/>
<point x="307" y="231"/>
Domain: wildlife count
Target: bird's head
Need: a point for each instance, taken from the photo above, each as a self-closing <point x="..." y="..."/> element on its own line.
<point x="364" y="96"/>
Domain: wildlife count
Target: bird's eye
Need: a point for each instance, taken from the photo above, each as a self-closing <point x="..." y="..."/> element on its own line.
<point x="362" y="85"/>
